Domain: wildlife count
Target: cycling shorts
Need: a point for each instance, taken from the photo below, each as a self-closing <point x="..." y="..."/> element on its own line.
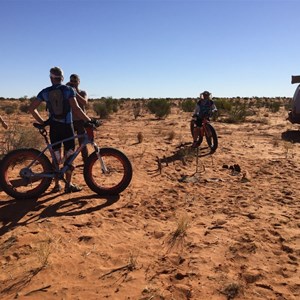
<point x="60" y="131"/>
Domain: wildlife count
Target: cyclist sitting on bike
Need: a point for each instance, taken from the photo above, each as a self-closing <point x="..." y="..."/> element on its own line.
<point x="204" y="109"/>
<point x="61" y="101"/>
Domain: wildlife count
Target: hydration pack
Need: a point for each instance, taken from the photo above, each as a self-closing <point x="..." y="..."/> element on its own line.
<point x="57" y="105"/>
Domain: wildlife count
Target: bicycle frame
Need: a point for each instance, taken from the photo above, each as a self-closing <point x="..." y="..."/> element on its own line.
<point x="58" y="172"/>
<point x="204" y="130"/>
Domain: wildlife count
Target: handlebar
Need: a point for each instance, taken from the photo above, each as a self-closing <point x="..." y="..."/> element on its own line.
<point x="94" y="123"/>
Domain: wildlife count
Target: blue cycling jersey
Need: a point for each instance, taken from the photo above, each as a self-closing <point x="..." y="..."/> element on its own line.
<point x="68" y="92"/>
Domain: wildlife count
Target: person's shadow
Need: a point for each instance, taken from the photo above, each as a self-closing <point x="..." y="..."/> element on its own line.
<point x="291" y="136"/>
<point x="13" y="212"/>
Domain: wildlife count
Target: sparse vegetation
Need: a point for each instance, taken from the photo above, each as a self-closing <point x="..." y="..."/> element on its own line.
<point x="136" y="109"/>
<point x="179" y="255"/>
<point x="177" y="237"/>
<point x="188" y="105"/>
<point x="17" y="137"/>
<point x="140" y="137"/>
<point x="105" y="107"/>
<point x="160" y="107"/>
<point x="171" y="135"/>
<point x="237" y="113"/>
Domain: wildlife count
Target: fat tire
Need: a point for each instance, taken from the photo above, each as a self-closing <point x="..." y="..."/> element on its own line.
<point x="12" y="157"/>
<point x="214" y="138"/>
<point x="192" y="126"/>
<point x="119" y="187"/>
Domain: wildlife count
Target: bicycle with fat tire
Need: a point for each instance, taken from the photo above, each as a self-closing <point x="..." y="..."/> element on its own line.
<point x="207" y="131"/>
<point x="28" y="173"/>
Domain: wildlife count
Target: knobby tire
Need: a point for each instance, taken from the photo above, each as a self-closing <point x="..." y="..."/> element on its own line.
<point x="119" y="172"/>
<point x="211" y="139"/>
<point x="19" y="187"/>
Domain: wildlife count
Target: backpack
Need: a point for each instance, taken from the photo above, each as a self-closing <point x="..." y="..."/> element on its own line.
<point x="205" y="108"/>
<point x="57" y="105"/>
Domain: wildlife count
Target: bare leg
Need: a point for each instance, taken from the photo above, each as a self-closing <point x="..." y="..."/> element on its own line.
<point x="196" y="133"/>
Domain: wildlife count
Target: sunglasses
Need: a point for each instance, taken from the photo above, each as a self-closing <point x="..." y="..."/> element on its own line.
<point x="74" y="81"/>
<point x="54" y="76"/>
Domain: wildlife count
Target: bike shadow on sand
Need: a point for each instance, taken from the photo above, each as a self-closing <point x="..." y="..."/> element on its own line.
<point x="291" y="136"/>
<point x="184" y="154"/>
<point x="15" y="213"/>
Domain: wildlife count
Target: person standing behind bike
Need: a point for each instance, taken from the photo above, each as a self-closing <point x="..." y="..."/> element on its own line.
<point x="61" y="101"/>
<point x="82" y="99"/>
<point x="204" y="108"/>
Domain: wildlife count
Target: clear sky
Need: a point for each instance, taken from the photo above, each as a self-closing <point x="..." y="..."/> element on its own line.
<point x="151" y="48"/>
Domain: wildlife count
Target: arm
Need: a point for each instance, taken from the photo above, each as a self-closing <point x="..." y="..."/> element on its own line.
<point x="81" y="97"/>
<point x="213" y="107"/>
<point x="76" y="109"/>
<point x="196" y="111"/>
<point x="33" y="110"/>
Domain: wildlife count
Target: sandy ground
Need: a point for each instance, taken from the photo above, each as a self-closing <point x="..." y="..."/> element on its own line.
<point x="180" y="232"/>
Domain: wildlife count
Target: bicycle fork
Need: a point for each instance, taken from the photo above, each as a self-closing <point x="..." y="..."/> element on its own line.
<point x="102" y="164"/>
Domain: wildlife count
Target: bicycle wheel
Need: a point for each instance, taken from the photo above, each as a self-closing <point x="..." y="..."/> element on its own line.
<point x="115" y="179"/>
<point x="211" y="138"/>
<point x="17" y="180"/>
<point x="192" y="126"/>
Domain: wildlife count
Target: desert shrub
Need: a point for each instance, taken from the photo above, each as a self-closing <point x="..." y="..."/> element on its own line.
<point x="160" y="107"/>
<point x="111" y="104"/>
<point x="9" y="110"/>
<point x="223" y="104"/>
<point x="287" y="106"/>
<point x="42" y="107"/>
<point x="237" y="113"/>
<point x="140" y="137"/>
<point x="274" y="106"/>
<point x="105" y="107"/>
<point x="17" y="137"/>
<point x="136" y="109"/>
<point x="188" y="105"/>
<point x="101" y="110"/>
<point x="24" y="107"/>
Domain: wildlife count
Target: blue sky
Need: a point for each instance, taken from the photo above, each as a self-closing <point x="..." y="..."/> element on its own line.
<point x="151" y="48"/>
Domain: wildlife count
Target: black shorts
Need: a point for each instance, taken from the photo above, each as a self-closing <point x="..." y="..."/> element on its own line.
<point x="198" y="122"/>
<point x="79" y="126"/>
<point x="60" y="131"/>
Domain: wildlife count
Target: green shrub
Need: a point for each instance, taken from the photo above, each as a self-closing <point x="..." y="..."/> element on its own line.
<point x="9" y="110"/>
<point x="24" y="107"/>
<point x="223" y="104"/>
<point x="274" y="106"/>
<point x="101" y="110"/>
<point x="111" y="104"/>
<point x="160" y="107"/>
<point x="188" y="105"/>
<point x="105" y="107"/>
<point x="237" y="113"/>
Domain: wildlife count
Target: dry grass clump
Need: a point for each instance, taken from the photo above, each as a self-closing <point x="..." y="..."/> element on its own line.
<point x="178" y="236"/>
<point x="171" y="135"/>
<point x="17" y="137"/>
<point x="140" y="137"/>
<point x="231" y="290"/>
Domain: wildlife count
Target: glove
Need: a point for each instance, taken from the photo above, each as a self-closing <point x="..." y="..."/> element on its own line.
<point x="93" y="123"/>
<point x="96" y="122"/>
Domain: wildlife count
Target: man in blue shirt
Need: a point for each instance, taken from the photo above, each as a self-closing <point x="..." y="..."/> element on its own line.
<point x="61" y="125"/>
